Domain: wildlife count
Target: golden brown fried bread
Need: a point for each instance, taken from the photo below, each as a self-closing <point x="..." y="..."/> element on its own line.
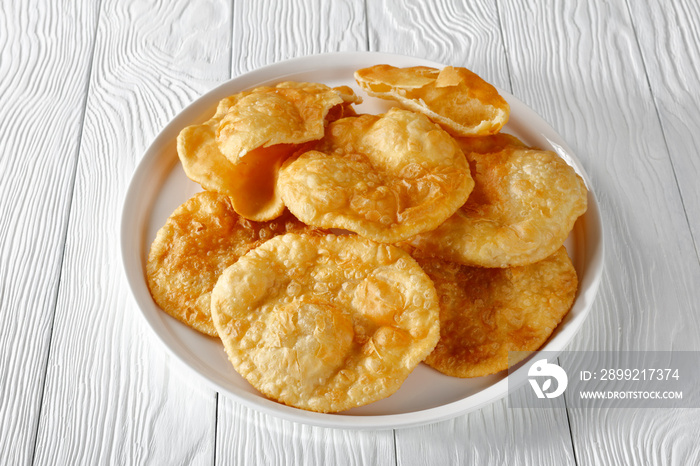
<point x="199" y="240"/>
<point x="490" y="144"/>
<point x="240" y="149"/>
<point x="325" y="323"/>
<point x="386" y="177"/>
<point x="485" y="313"/>
<point x="523" y="206"/>
<point x="288" y="113"/>
<point x="456" y="98"/>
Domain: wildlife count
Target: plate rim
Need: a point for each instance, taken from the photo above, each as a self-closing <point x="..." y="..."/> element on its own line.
<point x="278" y="71"/>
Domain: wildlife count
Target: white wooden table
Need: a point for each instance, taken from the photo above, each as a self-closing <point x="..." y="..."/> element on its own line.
<point x="86" y="85"/>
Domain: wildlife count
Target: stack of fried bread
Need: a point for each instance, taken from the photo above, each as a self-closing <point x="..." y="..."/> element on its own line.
<point x="332" y="252"/>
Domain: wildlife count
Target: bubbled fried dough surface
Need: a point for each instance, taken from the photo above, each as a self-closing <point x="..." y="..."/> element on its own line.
<point x="523" y="206"/>
<point x="456" y="98"/>
<point x="490" y="144"/>
<point x="288" y="113"/>
<point x="239" y="150"/>
<point x="485" y="313"/>
<point x="325" y="323"/>
<point x="199" y="240"/>
<point x="386" y="177"/>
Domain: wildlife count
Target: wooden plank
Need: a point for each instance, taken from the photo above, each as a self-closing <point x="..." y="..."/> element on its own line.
<point x="669" y="38"/>
<point x="581" y="68"/>
<point x="467" y="34"/>
<point x="264" y="33"/>
<point x="447" y="31"/>
<point x="112" y="394"/>
<point x="268" y="32"/>
<point x="43" y="77"/>
<point x="245" y="435"/>
<point x="495" y="434"/>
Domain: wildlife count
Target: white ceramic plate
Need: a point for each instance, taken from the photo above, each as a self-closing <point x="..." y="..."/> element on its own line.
<point x="159" y="185"/>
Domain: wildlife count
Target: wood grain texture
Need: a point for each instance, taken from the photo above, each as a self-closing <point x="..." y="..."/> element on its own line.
<point x="582" y="70"/>
<point x="45" y="54"/>
<point x="669" y="37"/>
<point x="246" y="436"/>
<point x="268" y="32"/>
<point x="448" y="31"/>
<point x="467" y="34"/>
<point x="495" y="434"/>
<point x="112" y="395"/>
